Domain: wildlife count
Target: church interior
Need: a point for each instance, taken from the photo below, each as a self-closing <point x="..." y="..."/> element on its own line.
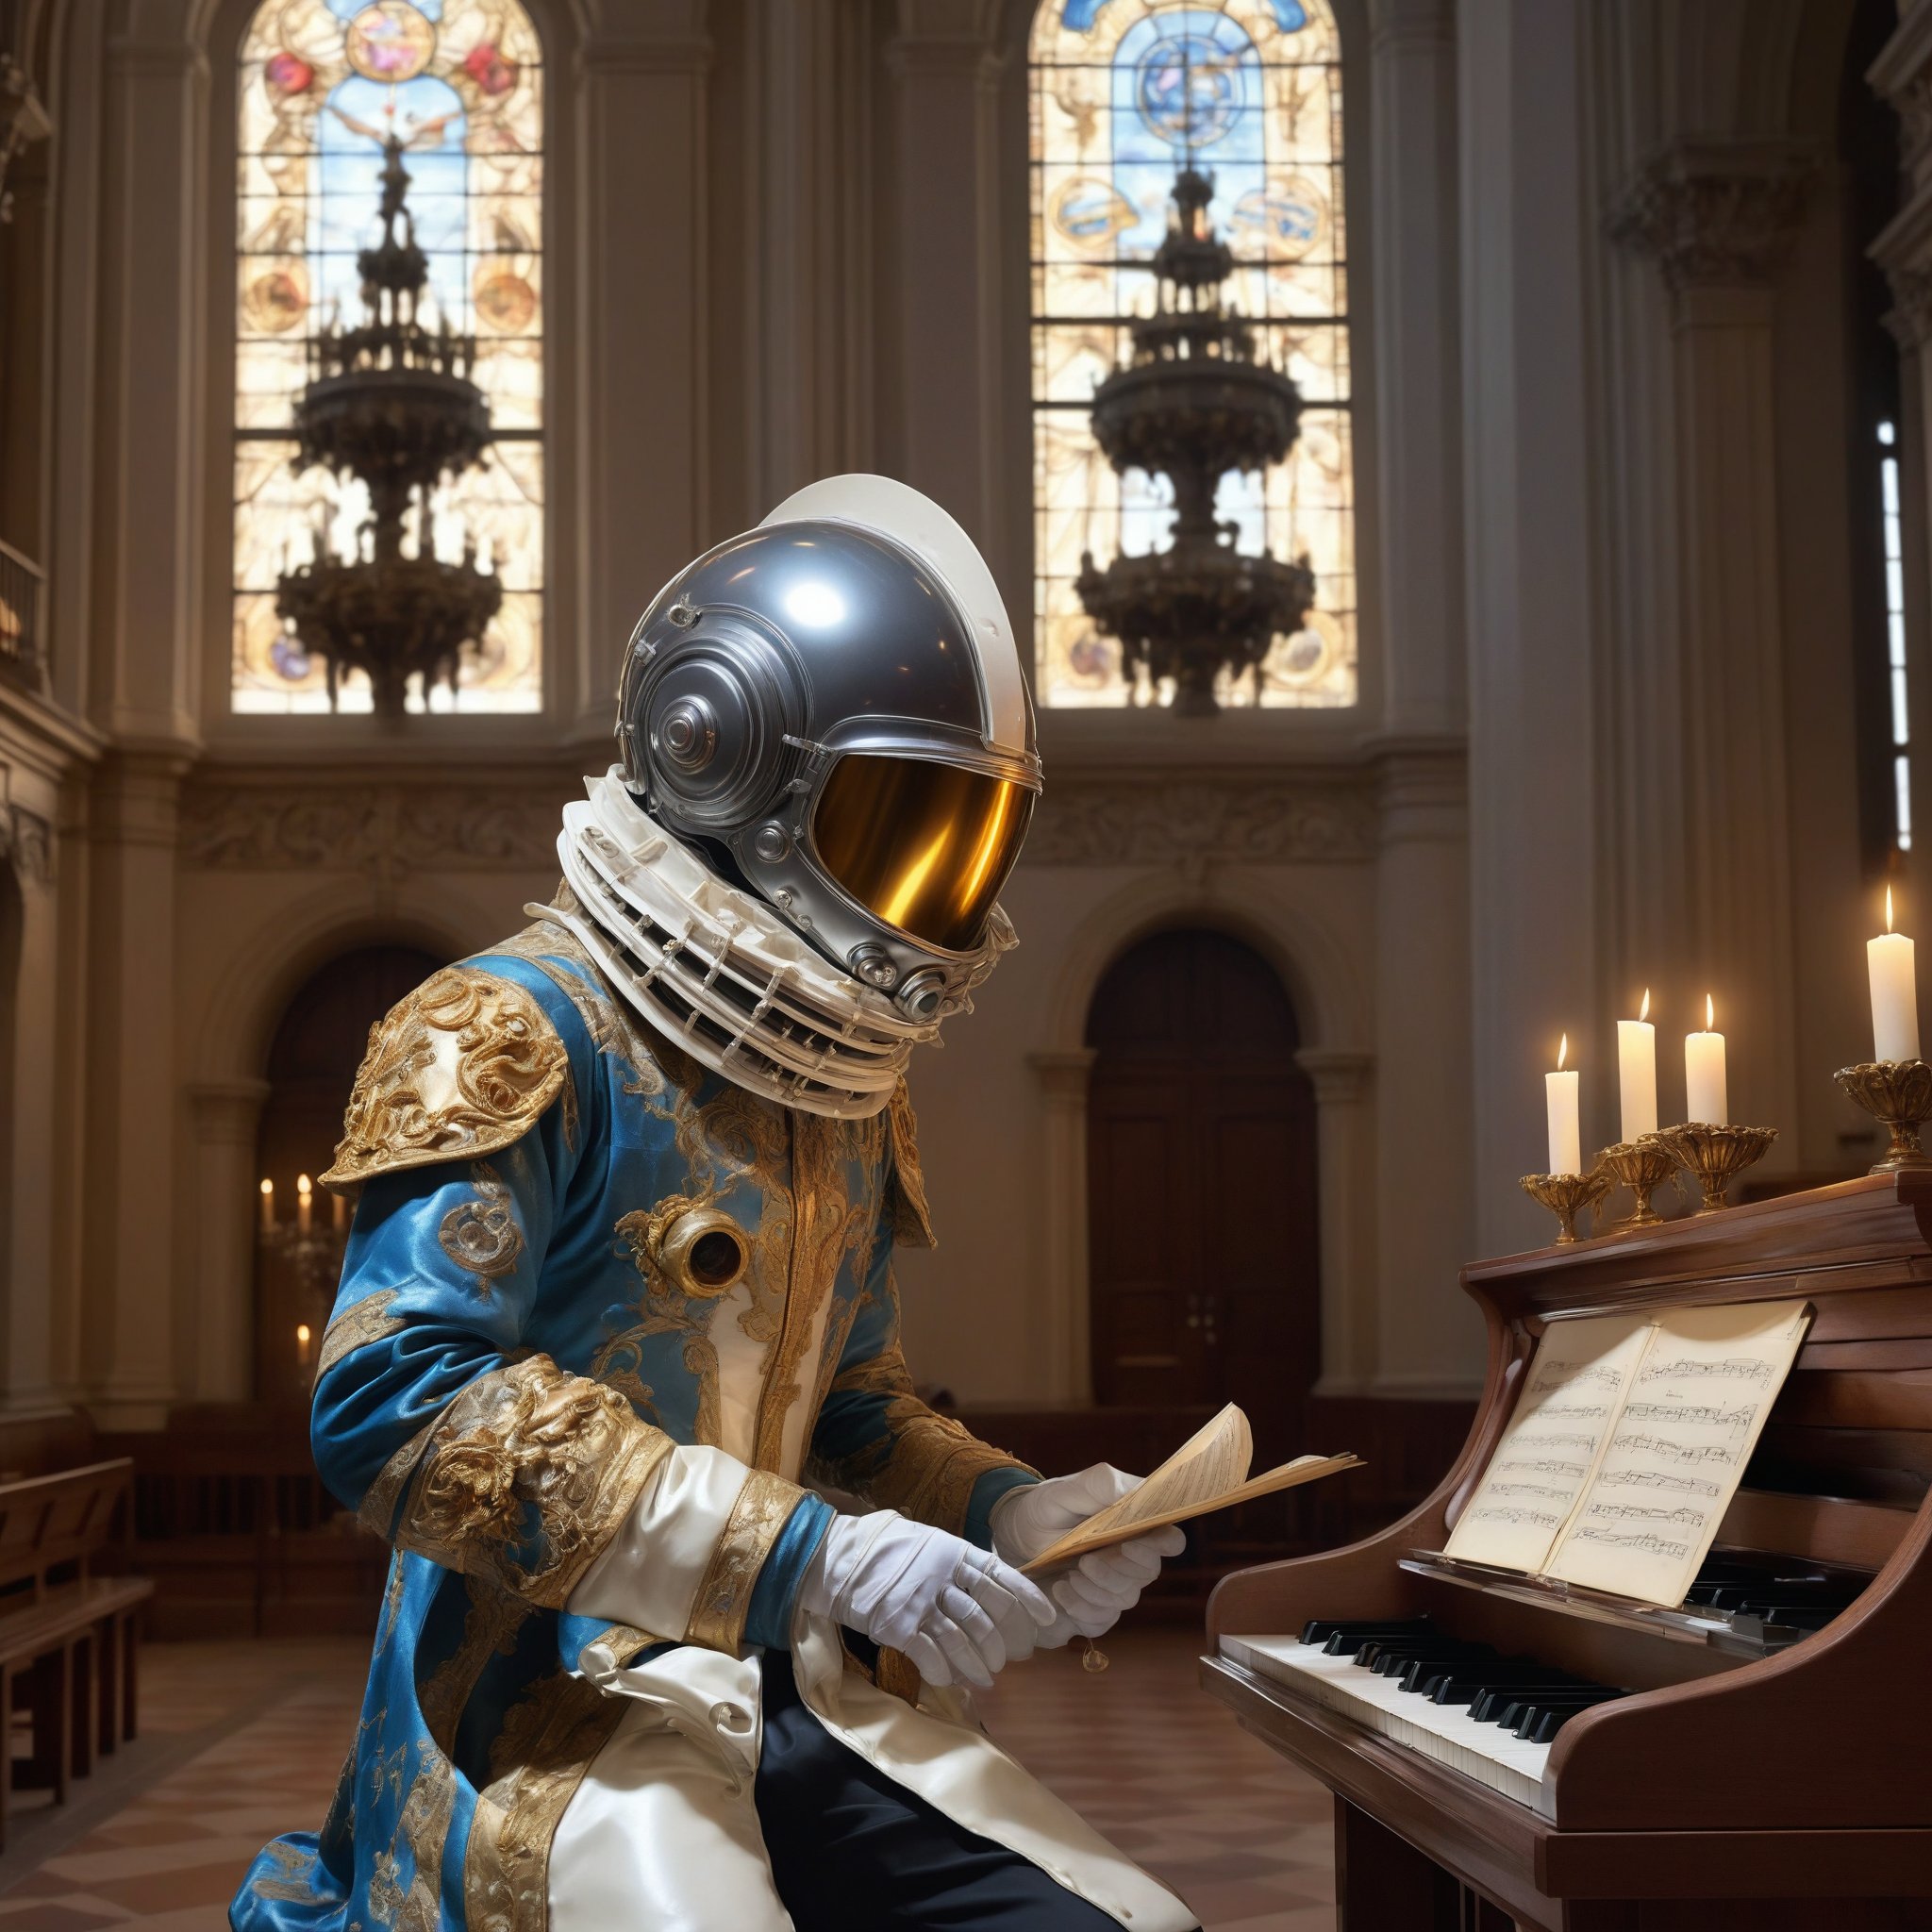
<point x="1457" y="472"/>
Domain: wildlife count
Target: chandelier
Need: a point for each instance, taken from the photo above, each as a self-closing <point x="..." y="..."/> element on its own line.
<point x="1191" y="403"/>
<point x="391" y="403"/>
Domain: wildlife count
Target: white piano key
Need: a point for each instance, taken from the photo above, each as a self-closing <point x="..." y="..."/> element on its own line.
<point x="1444" y="1732"/>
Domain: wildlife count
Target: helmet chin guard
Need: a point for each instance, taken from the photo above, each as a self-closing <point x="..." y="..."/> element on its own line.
<point x="835" y="701"/>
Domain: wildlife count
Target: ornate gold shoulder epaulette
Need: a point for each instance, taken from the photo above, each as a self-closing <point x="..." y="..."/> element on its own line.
<point x="464" y="1066"/>
<point x="911" y="1220"/>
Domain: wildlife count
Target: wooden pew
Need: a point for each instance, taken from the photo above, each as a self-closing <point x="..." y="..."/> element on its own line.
<point x="67" y="1637"/>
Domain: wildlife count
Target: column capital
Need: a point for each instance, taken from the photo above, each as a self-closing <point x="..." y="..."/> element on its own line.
<point x="1716" y="213"/>
<point x="1902" y="77"/>
<point x="1338" y="1073"/>
<point x="1904" y="251"/>
<point x="228" y="1110"/>
<point x="1409" y="23"/>
<point x="26" y="843"/>
<point x="1063" y="1075"/>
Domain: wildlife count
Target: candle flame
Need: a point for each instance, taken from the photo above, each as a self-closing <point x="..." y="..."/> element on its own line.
<point x="1644" y="1011"/>
<point x="1709" y="1013"/>
<point x="304" y="1186"/>
<point x="1562" y="1052"/>
<point x="268" y="1187"/>
<point x="302" y="1333"/>
<point x="1888" y="908"/>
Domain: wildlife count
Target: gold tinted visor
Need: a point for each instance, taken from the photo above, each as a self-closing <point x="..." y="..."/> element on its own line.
<point x="922" y="846"/>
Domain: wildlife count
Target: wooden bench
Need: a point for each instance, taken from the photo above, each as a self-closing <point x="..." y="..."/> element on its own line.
<point x="67" y="1637"/>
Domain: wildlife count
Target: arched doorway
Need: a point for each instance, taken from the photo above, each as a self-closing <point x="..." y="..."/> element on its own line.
<point x="1204" y="1284"/>
<point x="311" y="1067"/>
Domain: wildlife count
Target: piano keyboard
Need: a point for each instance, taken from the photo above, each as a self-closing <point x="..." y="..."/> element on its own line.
<point x="1491" y="1717"/>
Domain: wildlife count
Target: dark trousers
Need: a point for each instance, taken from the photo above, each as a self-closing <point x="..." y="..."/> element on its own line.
<point x="853" y="1852"/>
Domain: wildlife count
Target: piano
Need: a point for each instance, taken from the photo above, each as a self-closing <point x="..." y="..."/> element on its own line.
<point x="1505" y="1753"/>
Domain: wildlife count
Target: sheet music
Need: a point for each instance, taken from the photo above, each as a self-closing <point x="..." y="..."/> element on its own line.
<point x="1577" y="1383"/>
<point x="1673" y="1461"/>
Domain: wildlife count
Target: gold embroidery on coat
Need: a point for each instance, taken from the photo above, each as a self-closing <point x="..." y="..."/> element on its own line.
<point x="667" y="1311"/>
<point x="378" y="1510"/>
<point x="481" y="1235"/>
<point x="539" y="1759"/>
<point x="927" y="1464"/>
<point x="490" y="1629"/>
<point x="724" y="1597"/>
<point x="828" y="1226"/>
<point x="905" y="1208"/>
<point x="356" y="1326"/>
<point x="293" y="1880"/>
<point x="522" y="1439"/>
<point x="423" y="1827"/>
<point x="417" y="1102"/>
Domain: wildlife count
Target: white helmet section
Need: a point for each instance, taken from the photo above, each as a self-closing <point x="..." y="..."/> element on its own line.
<point x="716" y="971"/>
<point x="917" y="524"/>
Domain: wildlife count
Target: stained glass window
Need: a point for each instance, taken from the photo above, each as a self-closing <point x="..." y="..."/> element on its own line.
<point x="322" y="83"/>
<point x="1123" y="93"/>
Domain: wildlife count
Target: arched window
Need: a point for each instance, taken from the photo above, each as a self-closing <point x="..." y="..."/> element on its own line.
<point x="1123" y="91"/>
<point x="320" y="83"/>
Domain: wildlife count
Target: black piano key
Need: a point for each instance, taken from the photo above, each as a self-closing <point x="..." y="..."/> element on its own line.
<point x="1390" y="1659"/>
<point x="1453" y="1687"/>
<point x="1422" y="1672"/>
<point x="1533" y="1713"/>
<point x="1319" y="1629"/>
<point x="1552" y="1720"/>
<point x="1493" y="1704"/>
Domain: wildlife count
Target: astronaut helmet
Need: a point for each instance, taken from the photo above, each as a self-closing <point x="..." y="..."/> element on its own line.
<point x="830" y="711"/>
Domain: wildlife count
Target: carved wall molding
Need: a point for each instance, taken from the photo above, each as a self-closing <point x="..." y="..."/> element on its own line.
<point x="380" y="828"/>
<point x="1716" y="213"/>
<point x="1130" y="821"/>
<point x="26" y="843"/>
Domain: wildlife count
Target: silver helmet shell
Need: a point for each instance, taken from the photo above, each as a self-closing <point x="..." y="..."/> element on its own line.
<point x="857" y="620"/>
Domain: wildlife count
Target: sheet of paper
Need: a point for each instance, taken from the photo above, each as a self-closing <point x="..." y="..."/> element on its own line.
<point x="1209" y="1471"/>
<point x="1673" y="1462"/>
<point x="1563" y="1422"/>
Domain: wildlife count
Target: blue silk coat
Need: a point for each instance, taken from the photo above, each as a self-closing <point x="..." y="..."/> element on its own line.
<point x="512" y="1351"/>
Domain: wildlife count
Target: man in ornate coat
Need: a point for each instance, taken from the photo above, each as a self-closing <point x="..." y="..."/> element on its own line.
<point x="689" y="1589"/>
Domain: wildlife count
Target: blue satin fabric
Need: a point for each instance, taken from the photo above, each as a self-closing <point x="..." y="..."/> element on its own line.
<point x="392" y="1851"/>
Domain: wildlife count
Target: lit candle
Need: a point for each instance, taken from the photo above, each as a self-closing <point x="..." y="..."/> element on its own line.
<point x="301" y="1344"/>
<point x="1704" y="1072"/>
<point x="1636" y="1071"/>
<point x="305" y="1190"/>
<point x="1566" y="1132"/>
<point x="1894" y="994"/>
<point x="338" y="1212"/>
<point x="268" y="1206"/>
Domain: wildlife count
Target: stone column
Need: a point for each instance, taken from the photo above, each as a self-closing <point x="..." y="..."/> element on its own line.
<point x="1532" y="643"/>
<point x="1424" y="1332"/>
<point x="226" y="1116"/>
<point x="1068" y="1337"/>
<point x="640" y="349"/>
<point x="128" y="1188"/>
<point x="808" y="245"/>
<point x="28" y="1381"/>
<point x="1717" y="218"/>
<point x="945" y="349"/>
<point x="1345" y="1148"/>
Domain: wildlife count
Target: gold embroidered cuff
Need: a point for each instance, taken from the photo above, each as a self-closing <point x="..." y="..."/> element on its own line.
<point x="526" y="1476"/>
<point x="724" y="1600"/>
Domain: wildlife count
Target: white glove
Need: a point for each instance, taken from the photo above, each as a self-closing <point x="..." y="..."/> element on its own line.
<point x="1098" y="1586"/>
<point x="954" y="1610"/>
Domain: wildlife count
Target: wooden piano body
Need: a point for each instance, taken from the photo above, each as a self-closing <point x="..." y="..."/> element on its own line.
<point x="1792" y="1790"/>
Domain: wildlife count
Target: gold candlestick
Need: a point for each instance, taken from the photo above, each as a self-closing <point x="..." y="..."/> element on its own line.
<point x="1899" y="1092"/>
<point x="1643" y="1166"/>
<point x="1717" y="1155"/>
<point x="1566" y="1195"/>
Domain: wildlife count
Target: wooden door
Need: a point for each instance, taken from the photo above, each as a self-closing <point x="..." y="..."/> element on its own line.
<point x="1202" y="1186"/>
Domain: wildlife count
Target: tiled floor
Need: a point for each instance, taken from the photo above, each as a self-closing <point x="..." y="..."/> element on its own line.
<point x="240" y="1742"/>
